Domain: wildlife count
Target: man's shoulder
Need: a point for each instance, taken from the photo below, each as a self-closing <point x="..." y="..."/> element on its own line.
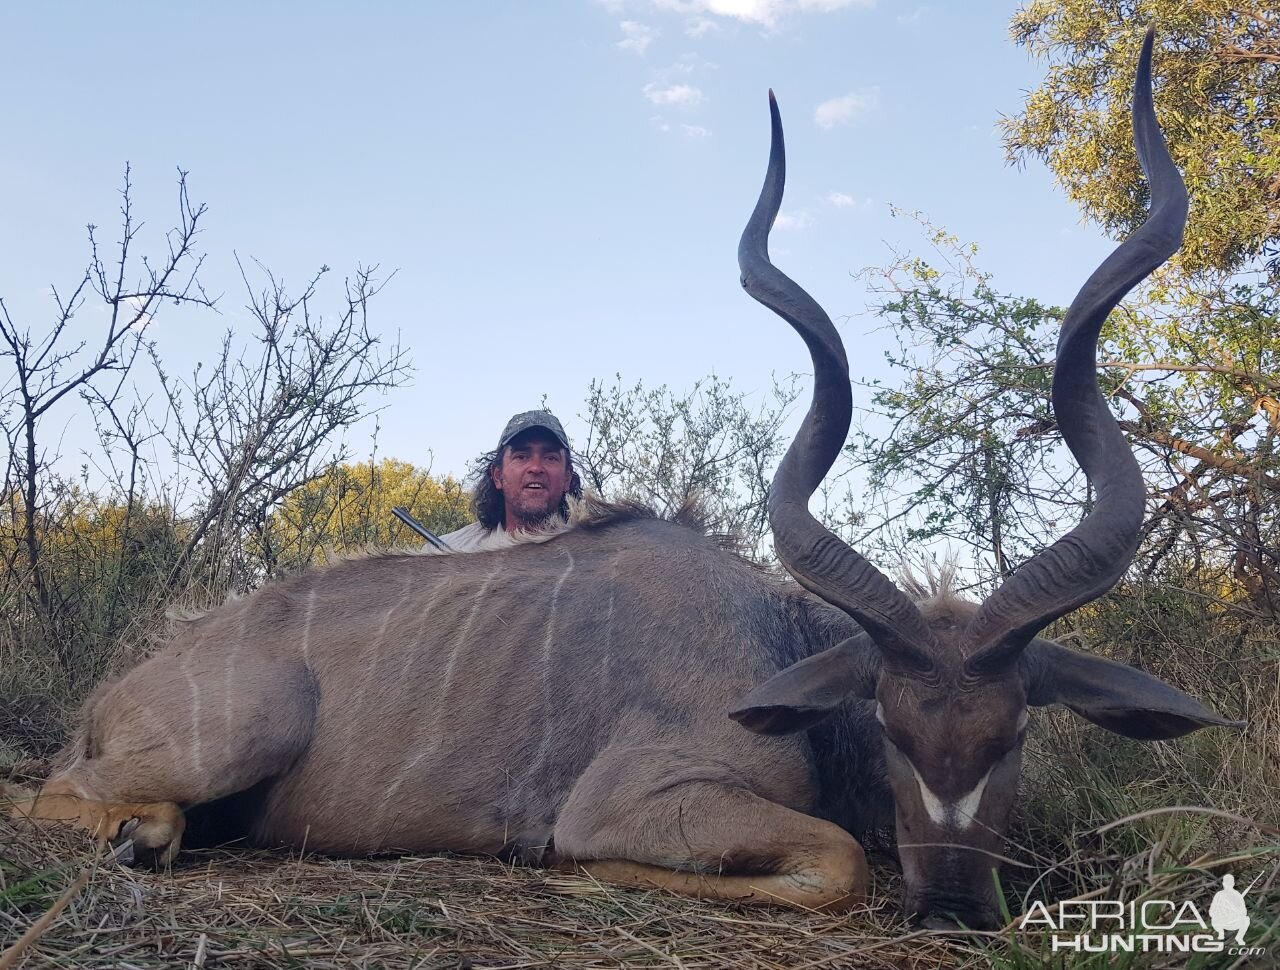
<point x="478" y="538"/>
<point x="466" y="532"/>
<point x="471" y="538"/>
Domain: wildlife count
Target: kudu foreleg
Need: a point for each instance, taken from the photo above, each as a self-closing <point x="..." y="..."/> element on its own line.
<point x="716" y="842"/>
<point x="825" y="884"/>
<point x="174" y="733"/>
<point x="154" y="828"/>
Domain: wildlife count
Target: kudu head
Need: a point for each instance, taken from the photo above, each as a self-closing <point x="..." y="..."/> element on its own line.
<point x="953" y="681"/>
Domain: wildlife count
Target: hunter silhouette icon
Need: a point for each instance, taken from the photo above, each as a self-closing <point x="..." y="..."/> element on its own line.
<point x="1227" y="912"/>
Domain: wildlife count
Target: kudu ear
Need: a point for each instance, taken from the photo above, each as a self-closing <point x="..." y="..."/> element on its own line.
<point x="1112" y="695"/>
<point x="806" y="692"/>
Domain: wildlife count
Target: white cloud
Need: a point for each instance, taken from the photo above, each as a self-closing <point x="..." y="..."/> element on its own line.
<point x="141" y="319"/>
<point x="765" y="13"/>
<point x="843" y="200"/>
<point x="687" y="64"/>
<point x="681" y="68"/>
<point x="682" y="95"/>
<point x="826" y="6"/>
<point x="701" y="26"/>
<point x="841" y="111"/>
<point x="793" y="221"/>
<point x="636" y="37"/>
<point x="689" y="131"/>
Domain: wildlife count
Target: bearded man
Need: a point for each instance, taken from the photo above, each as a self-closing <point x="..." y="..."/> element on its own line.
<point x="523" y="485"/>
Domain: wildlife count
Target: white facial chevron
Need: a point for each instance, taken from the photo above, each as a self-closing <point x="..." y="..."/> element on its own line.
<point x="958" y="814"/>
<point x="952" y="815"/>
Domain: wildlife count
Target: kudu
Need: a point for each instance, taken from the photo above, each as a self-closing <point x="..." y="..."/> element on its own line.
<point x="565" y="701"/>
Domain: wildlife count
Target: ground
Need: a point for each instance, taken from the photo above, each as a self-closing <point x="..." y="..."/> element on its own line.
<point x="246" y="909"/>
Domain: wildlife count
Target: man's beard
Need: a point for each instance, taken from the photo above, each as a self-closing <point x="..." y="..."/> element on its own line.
<point x="535" y="519"/>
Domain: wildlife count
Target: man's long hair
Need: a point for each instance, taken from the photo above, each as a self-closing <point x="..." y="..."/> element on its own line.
<point x="486" y="499"/>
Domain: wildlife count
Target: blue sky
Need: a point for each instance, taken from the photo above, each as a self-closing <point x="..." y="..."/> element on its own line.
<point x="558" y="186"/>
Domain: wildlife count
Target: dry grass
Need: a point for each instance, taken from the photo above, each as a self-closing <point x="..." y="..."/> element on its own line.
<point x="252" y="909"/>
<point x="242" y="909"/>
<point x="237" y="908"/>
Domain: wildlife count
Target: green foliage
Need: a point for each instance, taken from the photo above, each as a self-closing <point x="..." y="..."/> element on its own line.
<point x="972" y="452"/>
<point x="105" y="563"/>
<point x="1217" y="71"/>
<point x="349" y="507"/>
<point x="968" y="422"/>
<point x="708" y="445"/>
<point x="82" y="560"/>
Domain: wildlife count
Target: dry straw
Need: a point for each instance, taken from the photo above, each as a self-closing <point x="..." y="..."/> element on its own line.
<point x="249" y="909"/>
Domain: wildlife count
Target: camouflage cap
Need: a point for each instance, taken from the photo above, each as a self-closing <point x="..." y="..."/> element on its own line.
<point x="533" y="419"/>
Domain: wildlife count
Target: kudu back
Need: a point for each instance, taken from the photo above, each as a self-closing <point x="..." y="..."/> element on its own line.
<point x="564" y="702"/>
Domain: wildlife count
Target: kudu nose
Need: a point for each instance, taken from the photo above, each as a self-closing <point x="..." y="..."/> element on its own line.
<point x="956" y="919"/>
<point x="938" y="923"/>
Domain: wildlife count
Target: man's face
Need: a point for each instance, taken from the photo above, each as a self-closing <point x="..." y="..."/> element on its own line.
<point x="532" y="478"/>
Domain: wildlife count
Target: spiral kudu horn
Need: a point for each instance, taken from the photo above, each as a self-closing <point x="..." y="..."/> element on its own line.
<point x="1092" y="557"/>
<point x="816" y="558"/>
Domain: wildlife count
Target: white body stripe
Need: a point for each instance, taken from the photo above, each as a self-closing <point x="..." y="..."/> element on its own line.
<point x="606" y="651"/>
<point x="306" y="626"/>
<point x="550" y="726"/>
<point x="196" y="741"/>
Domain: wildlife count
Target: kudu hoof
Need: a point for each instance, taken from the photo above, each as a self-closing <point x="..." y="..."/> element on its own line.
<point x="151" y="839"/>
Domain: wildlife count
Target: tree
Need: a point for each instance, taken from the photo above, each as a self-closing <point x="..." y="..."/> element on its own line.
<point x="106" y="557"/>
<point x="242" y="434"/>
<point x="257" y="426"/>
<point x="973" y="454"/>
<point x="965" y="457"/>
<point x="1207" y="339"/>
<point x="1217" y="66"/>
<point x="349" y="508"/>
<point x="52" y="371"/>
<point x="707" y="446"/>
<point x="1190" y="358"/>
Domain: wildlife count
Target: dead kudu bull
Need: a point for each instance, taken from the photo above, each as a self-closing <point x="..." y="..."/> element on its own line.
<point x="567" y="700"/>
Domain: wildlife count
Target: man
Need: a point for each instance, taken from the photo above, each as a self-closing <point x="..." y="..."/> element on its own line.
<point x="523" y="485"/>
